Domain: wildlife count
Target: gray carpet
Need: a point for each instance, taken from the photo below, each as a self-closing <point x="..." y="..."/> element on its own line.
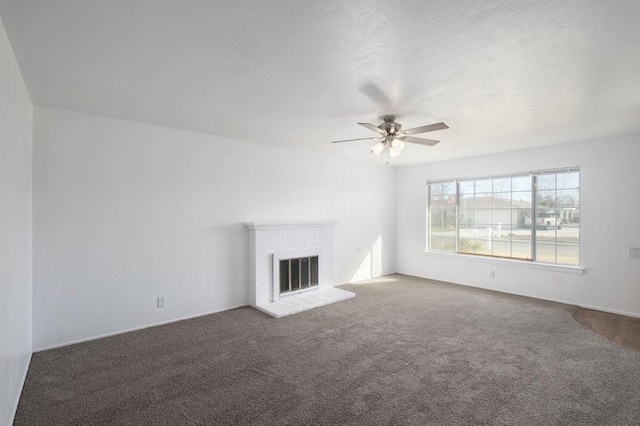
<point x="403" y="351"/>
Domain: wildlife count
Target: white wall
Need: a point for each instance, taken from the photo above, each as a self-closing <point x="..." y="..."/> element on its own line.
<point x="15" y="230"/>
<point x="609" y="220"/>
<point x="125" y="212"/>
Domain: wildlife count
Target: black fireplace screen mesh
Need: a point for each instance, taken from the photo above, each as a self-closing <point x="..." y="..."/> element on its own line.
<point x="298" y="274"/>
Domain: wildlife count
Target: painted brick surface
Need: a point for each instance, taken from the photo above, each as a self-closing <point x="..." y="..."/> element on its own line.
<point x="268" y="238"/>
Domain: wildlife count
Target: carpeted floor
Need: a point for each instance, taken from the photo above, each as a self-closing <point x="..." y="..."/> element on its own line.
<point x="403" y="351"/>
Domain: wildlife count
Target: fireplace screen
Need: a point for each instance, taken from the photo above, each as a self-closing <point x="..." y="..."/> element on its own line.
<point x="298" y="274"/>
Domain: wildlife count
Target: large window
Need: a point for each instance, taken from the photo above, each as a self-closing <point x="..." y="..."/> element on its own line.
<point x="532" y="216"/>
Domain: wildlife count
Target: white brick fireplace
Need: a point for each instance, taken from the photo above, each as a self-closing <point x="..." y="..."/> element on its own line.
<point x="270" y="242"/>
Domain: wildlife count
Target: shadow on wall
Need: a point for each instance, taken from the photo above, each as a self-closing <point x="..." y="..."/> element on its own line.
<point x="371" y="265"/>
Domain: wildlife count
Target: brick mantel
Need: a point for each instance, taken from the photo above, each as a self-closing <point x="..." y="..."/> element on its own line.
<point x="291" y="225"/>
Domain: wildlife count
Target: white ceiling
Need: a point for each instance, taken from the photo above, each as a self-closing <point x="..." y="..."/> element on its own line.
<point x="503" y="74"/>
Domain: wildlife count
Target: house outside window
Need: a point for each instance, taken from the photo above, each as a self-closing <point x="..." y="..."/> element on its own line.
<point x="497" y="216"/>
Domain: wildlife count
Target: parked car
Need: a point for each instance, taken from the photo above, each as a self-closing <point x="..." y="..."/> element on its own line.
<point x="548" y="220"/>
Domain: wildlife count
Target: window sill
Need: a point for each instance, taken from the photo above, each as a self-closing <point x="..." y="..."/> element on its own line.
<point x="579" y="270"/>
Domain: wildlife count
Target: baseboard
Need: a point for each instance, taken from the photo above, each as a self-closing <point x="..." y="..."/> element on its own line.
<point x="24" y="379"/>
<point x="610" y="311"/>
<point x="115" y="333"/>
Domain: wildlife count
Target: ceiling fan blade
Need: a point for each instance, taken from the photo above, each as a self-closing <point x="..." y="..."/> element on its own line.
<point x="360" y="139"/>
<point x="421" y="141"/>
<point x="373" y="127"/>
<point x="425" y="129"/>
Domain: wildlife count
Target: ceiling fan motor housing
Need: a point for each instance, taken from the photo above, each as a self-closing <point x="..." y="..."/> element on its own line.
<point x="390" y="127"/>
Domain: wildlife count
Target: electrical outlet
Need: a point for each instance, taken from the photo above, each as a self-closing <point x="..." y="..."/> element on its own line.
<point x="161" y="302"/>
<point x="492" y="274"/>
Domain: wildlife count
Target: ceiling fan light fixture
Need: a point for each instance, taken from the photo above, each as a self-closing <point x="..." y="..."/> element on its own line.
<point x="393" y="152"/>
<point x="377" y="148"/>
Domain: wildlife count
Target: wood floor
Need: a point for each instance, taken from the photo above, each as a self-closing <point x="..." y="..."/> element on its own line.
<point x="620" y="329"/>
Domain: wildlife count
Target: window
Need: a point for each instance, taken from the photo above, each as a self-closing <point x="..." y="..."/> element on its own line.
<point x="533" y="216"/>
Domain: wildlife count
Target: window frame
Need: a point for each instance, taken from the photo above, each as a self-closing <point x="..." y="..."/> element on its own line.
<point x="535" y="228"/>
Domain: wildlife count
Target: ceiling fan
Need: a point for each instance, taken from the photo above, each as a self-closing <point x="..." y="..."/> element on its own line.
<point x="392" y="136"/>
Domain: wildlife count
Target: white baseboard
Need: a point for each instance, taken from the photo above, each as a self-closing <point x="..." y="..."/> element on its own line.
<point x="611" y="311"/>
<point x="115" y="333"/>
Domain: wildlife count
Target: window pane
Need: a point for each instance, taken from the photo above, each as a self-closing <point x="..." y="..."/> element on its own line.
<point x="485" y="186"/>
<point x="545" y="250"/>
<point x="445" y="244"/>
<point x="467" y="188"/>
<point x="448" y="221"/>
<point x="440" y="189"/>
<point x="546" y="182"/>
<point x="469" y="245"/>
<point x="466" y="233"/>
<point x="502" y="218"/>
<point x="502" y="199"/>
<point x="436" y="202"/>
<point x="442" y="221"/>
<point x="466" y="211"/>
<point x="569" y="180"/>
<point x="546" y="199"/>
<point x="520" y="197"/>
<point x="568" y="198"/>
<point x="449" y="203"/>
<point x="569" y="254"/>
<point x="502" y="185"/>
<point x="521" y="249"/>
<point x="483" y="218"/>
<point x="482" y="246"/>
<point x="449" y="188"/>
<point x="521" y="183"/>
<point x="502" y="247"/>
<point x="484" y="199"/>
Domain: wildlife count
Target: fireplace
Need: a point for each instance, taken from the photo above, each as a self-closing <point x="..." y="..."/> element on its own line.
<point x="271" y="242"/>
<point x="290" y="261"/>
<point x="291" y="266"/>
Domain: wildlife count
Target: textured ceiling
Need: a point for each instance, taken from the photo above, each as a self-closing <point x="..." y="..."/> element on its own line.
<point x="504" y="75"/>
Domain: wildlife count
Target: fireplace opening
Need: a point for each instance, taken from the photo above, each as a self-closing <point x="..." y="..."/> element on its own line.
<point x="298" y="273"/>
